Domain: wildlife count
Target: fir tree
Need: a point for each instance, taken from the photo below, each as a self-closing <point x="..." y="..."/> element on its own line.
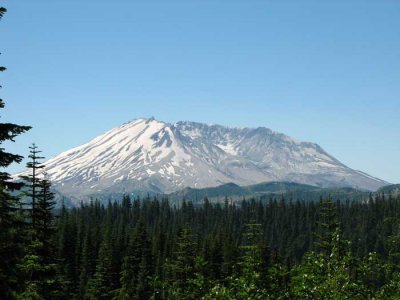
<point x="99" y="286"/>
<point x="32" y="181"/>
<point x="137" y="267"/>
<point x="39" y="263"/>
<point x="11" y="222"/>
<point x="87" y="263"/>
<point x="327" y="225"/>
<point x="180" y="269"/>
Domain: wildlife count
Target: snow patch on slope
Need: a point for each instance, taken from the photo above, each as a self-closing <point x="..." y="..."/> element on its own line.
<point x="146" y="154"/>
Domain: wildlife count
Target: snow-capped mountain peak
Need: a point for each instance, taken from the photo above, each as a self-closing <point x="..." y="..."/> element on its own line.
<point x="150" y="155"/>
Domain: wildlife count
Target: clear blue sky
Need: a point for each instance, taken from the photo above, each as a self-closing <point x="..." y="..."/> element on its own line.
<point x="320" y="71"/>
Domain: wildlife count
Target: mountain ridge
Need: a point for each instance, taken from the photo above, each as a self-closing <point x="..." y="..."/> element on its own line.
<point x="267" y="190"/>
<point x="147" y="155"/>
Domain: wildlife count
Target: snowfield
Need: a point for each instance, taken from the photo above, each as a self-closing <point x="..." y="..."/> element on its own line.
<point x="154" y="156"/>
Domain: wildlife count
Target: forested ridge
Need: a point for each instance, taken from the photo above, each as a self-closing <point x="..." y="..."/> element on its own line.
<point x="144" y="249"/>
<point x="149" y="249"/>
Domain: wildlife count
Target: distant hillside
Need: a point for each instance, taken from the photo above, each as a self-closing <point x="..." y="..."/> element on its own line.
<point x="393" y="189"/>
<point x="287" y="190"/>
<point x="234" y="192"/>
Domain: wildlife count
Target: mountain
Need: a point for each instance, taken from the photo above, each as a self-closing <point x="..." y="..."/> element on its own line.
<point x="266" y="191"/>
<point x="393" y="189"/>
<point x="149" y="156"/>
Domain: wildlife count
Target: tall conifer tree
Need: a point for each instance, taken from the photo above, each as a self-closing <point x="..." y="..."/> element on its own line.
<point x="137" y="266"/>
<point x="33" y="182"/>
<point x="11" y="223"/>
<point x="39" y="264"/>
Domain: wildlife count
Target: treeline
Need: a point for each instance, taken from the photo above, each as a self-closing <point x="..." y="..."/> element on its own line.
<point x="146" y="249"/>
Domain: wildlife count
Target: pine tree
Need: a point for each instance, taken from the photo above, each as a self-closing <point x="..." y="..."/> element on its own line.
<point x="327" y="274"/>
<point x="99" y="286"/>
<point x="181" y="268"/>
<point x="11" y="222"/>
<point x="66" y="238"/>
<point x="327" y="225"/>
<point x="249" y="284"/>
<point x="45" y="215"/>
<point x="39" y="263"/>
<point x="33" y="182"/>
<point x="137" y="267"/>
<point x="88" y="257"/>
<point x="251" y="247"/>
<point x="45" y="228"/>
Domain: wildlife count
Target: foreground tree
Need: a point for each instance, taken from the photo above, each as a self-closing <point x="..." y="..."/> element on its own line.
<point x="184" y="276"/>
<point x="250" y="280"/>
<point x="38" y="265"/>
<point x="328" y="273"/>
<point x="137" y="266"/>
<point x="11" y="222"/>
<point x="33" y="182"/>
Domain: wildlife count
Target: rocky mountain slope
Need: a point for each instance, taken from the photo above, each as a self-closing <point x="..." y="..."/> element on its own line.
<point x="147" y="155"/>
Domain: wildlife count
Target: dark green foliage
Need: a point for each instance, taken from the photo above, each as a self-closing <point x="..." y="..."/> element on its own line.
<point x="45" y="226"/>
<point x="137" y="266"/>
<point x="38" y="265"/>
<point x="148" y="249"/>
<point x="33" y="182"/>
<point x="12" y="222"/>
<point x="2" y="11"/>
<point x="100" y="285"/>
<point x="264" y="191"/>
<point x="327" y="224"/>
